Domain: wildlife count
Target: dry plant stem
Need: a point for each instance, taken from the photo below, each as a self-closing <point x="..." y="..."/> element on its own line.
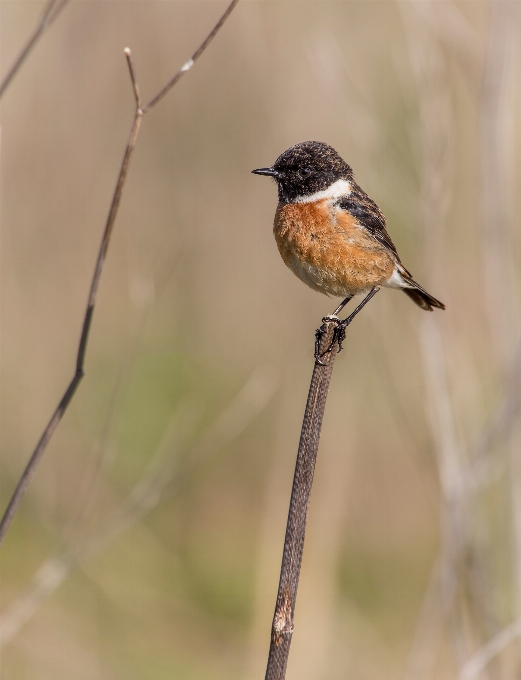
<point x="51" y="12"/>
<point x="30" y="469"/>
<point x="161" y="482"/>
<point x="195" y="56"/>
<point x="282" y="628"/>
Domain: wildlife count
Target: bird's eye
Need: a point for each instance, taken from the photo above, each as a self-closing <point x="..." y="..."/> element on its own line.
<point x="304" y="171"/>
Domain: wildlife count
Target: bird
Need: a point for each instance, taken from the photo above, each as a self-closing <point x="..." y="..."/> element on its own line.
<point x="332" y="236"/>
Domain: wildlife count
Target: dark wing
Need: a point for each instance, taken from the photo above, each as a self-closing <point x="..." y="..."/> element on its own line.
<point x="368" y="214"/>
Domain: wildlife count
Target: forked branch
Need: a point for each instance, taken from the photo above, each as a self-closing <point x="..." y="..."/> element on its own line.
<point x="38" y="452"/>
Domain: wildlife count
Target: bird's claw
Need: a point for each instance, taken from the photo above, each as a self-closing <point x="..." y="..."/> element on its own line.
<point x="339" y="334"/>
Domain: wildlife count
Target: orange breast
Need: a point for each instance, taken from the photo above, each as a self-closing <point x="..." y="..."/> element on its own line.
<point x="328" y="250"/>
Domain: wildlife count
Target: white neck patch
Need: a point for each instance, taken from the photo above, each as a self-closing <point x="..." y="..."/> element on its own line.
<point x="339" y="188"/>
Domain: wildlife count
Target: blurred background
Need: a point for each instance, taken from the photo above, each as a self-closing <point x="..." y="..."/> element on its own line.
<point x="149" y="544"/>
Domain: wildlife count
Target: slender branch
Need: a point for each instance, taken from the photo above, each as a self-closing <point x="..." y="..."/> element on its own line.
<point x="50" y="13"/>
<point x="195" y="56"/>
<point x="37" y="454"/>
<point x="282" y="628"/>
<point x="168" y="468"/>
<point x="128" y="55"/>
<point x="30" y="469"/>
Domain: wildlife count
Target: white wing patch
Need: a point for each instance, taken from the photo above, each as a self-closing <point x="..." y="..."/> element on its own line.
<point x="396" y="280"/>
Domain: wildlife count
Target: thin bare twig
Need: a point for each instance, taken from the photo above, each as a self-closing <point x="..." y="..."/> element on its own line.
<point x="282" y="627"/>
<point x="37" y="454"/>
<point x="87" y="321"/>
<point x="137" y="96"/>
<point x="195" y="56"/>
<point x="50" y="13"/>
<point x="163" y="477"/>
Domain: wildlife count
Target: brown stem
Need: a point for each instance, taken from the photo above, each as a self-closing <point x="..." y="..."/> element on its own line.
<point x="38" y="452"/>
<point x="51" y="12"/>
<point x="282" y="628"/>
<point x="31" y="466"/>
<point x="195" y="56"/>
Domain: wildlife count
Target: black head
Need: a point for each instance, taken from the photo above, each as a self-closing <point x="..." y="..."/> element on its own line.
<point x="305" y="169"/>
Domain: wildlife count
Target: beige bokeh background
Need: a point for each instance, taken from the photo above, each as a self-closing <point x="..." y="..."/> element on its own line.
<point x="149" y="544"/>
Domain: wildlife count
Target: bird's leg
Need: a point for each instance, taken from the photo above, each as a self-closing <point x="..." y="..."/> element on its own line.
<point x="340" y="329"/>
<point x="342" y="305"/>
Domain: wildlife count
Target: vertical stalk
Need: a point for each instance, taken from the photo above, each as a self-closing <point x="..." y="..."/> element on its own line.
<point x="282" y="627"/>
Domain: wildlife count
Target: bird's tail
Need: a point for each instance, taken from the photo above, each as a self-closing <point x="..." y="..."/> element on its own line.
<point x="420" y="296"/>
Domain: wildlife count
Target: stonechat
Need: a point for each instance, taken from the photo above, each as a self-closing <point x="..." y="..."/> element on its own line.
<point x="332" y="235"/>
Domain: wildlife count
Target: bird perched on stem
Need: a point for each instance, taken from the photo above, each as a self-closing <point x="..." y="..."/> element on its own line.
<point x="332" y="235"/>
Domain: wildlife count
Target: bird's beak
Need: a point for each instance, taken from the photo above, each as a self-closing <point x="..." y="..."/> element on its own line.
<point x="266" y="171"/>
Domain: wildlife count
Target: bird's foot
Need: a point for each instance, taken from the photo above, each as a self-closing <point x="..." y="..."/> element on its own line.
<point x="338" y="336"/>
<point x="339" y="332"/>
